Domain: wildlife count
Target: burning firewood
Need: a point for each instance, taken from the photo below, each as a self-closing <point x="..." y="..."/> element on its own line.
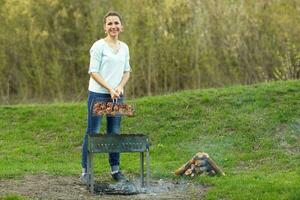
<point x="200" y="164"/>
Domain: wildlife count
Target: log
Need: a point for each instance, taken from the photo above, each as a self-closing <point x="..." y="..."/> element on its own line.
<point x="215" y="167"/>
<point x="184" y="167"/>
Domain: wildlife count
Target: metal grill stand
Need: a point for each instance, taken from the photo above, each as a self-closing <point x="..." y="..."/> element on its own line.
<point x="104" y="143"/>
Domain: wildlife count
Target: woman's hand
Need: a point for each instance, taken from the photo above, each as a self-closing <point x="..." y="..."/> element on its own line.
<point x="119" y="90"/>
<point x="114" y="94"/>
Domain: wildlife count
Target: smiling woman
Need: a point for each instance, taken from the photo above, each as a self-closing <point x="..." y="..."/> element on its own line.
<point x="109" y="72"/>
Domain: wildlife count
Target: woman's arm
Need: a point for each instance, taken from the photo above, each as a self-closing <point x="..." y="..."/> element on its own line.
<point x="125" y="78"/>
<point x="98" y="78"/>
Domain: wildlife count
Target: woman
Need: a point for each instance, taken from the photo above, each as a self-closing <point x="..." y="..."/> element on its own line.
<point x="109" y="71"/>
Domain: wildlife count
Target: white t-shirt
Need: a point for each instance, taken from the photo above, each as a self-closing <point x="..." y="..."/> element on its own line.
<point x="108" y="64"/>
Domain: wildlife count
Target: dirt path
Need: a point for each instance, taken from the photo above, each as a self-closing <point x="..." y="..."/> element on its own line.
<point x="44" y="186"/>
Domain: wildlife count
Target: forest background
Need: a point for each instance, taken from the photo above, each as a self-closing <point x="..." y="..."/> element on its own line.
<point x="174" y="45"/>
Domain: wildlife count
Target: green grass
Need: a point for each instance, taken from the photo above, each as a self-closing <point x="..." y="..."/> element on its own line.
<point x="11" y="197"/>
<point x="252" y="132"/>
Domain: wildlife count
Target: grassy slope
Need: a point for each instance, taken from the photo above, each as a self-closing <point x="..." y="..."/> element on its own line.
<point x="253" y="133"/>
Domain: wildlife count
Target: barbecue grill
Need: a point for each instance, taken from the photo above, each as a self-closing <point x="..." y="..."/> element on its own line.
<point x="104" y="143"/>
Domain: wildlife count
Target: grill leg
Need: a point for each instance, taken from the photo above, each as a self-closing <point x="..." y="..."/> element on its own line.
<point x="142" y="168"/>
<point x="90" y="172"/>
<point x="148" y="168"/>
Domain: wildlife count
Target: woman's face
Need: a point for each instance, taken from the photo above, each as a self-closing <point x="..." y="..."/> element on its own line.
<point x="113" y="26"/>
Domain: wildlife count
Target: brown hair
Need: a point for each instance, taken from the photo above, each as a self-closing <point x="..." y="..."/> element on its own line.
<point x="112" y="13"/>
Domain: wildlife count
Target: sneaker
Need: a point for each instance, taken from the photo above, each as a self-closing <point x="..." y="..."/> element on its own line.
<point x="118" y="176"/>
<point x="84" y="178"/>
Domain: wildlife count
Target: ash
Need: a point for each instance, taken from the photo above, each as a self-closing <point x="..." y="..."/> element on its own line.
<point x="123" y="187"/>
<point x="155" y="188"/>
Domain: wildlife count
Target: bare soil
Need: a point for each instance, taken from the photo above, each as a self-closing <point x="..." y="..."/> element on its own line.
<point x="43" y="186"/>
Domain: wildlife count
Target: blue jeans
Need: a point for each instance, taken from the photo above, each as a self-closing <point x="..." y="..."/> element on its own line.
<point x="94" y="123"/>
